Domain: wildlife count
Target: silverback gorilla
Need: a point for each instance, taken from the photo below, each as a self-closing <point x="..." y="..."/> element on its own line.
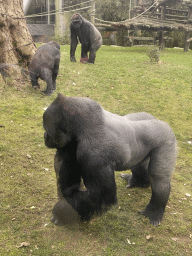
<point x="93" y="143"/>
<point x="45" y="65"/>
<point x="89" y="37"/>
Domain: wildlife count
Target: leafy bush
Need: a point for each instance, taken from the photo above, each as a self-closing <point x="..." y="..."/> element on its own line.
<point x="154" y="54"/>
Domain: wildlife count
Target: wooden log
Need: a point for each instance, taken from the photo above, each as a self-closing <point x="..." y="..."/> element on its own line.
<point x="189" y="40"/>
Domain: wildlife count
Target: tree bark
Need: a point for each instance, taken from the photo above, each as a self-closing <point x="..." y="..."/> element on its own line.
<point x="16" y="44"/>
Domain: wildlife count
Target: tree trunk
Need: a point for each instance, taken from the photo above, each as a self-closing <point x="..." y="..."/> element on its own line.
<point x="16" y="44"/>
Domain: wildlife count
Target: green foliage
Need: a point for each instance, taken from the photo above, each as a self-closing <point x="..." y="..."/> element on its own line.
<point x="154" y="54"/>
<point x="121" y="39"/>
<point x="177" y="39"/>
<point x="122" y="80"/>
<point x="62" y="40"/>
<point x="112" y="10"/>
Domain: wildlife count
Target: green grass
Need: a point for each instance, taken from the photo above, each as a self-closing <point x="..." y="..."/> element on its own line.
<point x="123" y="80"/>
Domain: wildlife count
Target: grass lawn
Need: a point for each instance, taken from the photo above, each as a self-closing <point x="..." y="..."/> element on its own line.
<point x="123" y="80"/>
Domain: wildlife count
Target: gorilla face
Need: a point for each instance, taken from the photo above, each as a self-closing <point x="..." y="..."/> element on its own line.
<point x="54" y="136"/>
<point x="76" y="21"/>
<point x="58" y="141"/>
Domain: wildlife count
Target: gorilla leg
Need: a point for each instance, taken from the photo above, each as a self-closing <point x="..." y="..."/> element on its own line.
<point x="92" y="56"/>
<point x="93" y="49"/>
<point x="54" y="76"/>
<point x="84" y="56"/>
<point x="46" y="75"/>
<point x="161" y="165"/>
<point x="160" y="195"/>
<point x="139" y="177"/>
<point x="84" y="50"/>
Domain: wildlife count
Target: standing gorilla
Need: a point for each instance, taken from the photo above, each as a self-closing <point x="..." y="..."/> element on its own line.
<point x="45" y="65"/>
<point x="93" y="143"/>
<point x="89" y="37"/>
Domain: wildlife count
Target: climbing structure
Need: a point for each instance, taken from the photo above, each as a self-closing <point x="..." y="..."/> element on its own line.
<point x="159" y="16"/>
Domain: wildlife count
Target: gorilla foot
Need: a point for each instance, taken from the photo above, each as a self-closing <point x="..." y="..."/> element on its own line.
<point x="155" y="216"/>
<point x="135" y="181"/>
<point x="54" y="87"/>
<point x="73" y="59"/>
<point x="91" y="61"/>
<point x="47" y="93"/>
<point x="127" y="177"/>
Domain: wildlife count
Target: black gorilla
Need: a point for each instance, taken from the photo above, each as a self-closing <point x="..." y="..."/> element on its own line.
<point x="93" y="143"/>
<point x="89" y="37"/>
<point x="45" y="65"/>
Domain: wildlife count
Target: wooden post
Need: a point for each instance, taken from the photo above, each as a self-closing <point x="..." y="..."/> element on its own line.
<point x="154" y="38"/>
<point x="48" y="10"/>
<point x="59" y="20"/>
<point x="187" y="33"/>
<point x="186" y="46"/>
<point x="93" y="12"/>
<point x="161" y="32"/>
<point x="57" y="34"/>
<point x="67" y="22"/>
<point x="130" y="9"/>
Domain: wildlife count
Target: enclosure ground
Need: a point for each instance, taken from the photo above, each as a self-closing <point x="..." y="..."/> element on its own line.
<point x="122" y="80"/>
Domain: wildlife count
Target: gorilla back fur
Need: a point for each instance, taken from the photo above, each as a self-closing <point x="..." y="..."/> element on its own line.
<point x="94" y="143"/>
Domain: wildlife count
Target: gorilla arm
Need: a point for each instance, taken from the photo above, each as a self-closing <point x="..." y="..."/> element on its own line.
<point x="73" y="44"/>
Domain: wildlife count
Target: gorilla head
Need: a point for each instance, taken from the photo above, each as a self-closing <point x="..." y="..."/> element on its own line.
<point x="55" y="137"/>
<point x="92" y="143"/>
<point x="76" y="20"/>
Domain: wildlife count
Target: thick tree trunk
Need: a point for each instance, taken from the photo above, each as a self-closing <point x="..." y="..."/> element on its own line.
<point x="16" y="44"/>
